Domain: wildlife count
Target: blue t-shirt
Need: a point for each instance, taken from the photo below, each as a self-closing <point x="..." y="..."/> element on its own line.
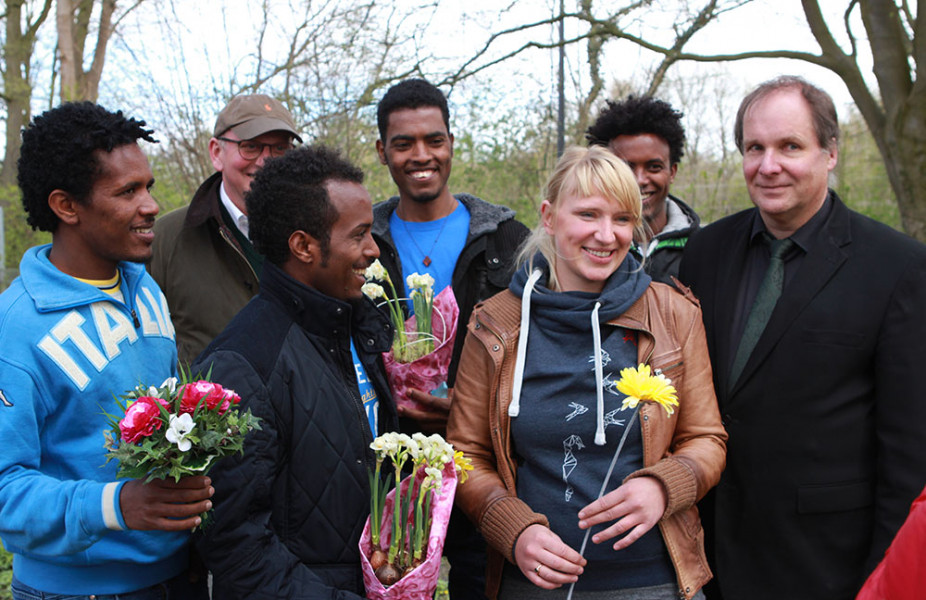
<point x="441" y="241"/>
<point x="367" y="391"/>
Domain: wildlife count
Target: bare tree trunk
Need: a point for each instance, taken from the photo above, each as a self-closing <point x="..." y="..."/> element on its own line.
<point x="73" y="21"/>
<point x="17" y="89"/>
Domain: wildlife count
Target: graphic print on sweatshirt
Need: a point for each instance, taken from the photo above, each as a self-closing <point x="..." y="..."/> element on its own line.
<point x="73" y="343"/>
<point x="574" y="442"/>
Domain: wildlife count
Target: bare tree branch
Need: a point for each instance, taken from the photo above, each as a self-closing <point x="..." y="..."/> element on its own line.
<point x="846" y="16"/>
<point x="886" y="36"/>
<point x="704" y="17"/>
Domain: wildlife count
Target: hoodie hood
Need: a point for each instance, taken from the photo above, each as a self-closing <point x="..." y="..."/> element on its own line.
<point x="572" y="313"/>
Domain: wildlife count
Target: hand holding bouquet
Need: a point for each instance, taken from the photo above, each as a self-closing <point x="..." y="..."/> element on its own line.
<point x="177" y="429"/>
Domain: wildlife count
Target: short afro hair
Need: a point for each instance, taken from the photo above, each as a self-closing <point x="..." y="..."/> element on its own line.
<point x="288" y="194"/>
<point x="411" y="93"/>
<point x="639" y="115"/>
<point x="59" y="152"/>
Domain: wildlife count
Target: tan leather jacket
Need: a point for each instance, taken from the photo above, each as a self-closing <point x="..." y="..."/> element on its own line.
<point x="686" y="452"/>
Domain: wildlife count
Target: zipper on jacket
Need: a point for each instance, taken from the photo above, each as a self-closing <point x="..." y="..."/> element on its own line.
<point x="135" y="319"/>
<point x="224" y="233"/>
<point x="354" y="392"/>
<point x="668" y="368"/>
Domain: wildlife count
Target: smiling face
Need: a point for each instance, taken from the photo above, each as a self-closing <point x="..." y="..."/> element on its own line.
<point x="591" y="236"/>
<point x="115" y="222"/>
<point x="238" y="172"/>
<point x="418" y="151"/>
<point x="648" y="158"/>
<point x="338" y="273"/>
<point x="785" y="168"/>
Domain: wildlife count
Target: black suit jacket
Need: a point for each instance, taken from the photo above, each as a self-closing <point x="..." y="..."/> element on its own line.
<point x="827" y="422"/>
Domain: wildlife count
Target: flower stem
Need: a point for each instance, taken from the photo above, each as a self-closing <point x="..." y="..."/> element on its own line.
<point x="604" y="484"/>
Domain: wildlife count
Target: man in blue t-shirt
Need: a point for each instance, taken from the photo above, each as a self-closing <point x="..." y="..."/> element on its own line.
<point x="460" y="240"/>
<point x="81" y="324"/>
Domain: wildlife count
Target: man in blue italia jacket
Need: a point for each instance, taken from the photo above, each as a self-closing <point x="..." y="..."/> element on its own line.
<point x="84" y="323"/>
<point x="305" y="356"/>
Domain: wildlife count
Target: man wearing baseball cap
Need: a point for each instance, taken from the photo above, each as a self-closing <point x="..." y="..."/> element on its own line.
<point x="202" y="257"/>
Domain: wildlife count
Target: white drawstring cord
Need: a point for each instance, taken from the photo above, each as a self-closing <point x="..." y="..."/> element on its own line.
<point x="599" y="376"/>
<point x="515" y="407"/>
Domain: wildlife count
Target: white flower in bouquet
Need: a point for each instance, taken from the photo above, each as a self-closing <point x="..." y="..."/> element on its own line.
<point x="421" y="283"/>
<point x="373" y="291"/>
<point x="178" y="430"/>
<point x="377" y="271"/>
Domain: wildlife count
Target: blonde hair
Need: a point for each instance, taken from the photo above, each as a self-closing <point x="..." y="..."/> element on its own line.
<point x="583" y="172"/>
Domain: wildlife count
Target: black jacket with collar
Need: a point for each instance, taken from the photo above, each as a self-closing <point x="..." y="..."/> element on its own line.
<point x="485" y="264"/>
<point x="290" y="510"/>
<point x="826" y="429"/>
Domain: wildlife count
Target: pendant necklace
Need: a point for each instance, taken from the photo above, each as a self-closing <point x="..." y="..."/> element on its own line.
<point x="427" y="256"/>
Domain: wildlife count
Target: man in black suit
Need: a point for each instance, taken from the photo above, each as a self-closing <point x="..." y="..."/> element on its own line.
<point x="823" y="399"/>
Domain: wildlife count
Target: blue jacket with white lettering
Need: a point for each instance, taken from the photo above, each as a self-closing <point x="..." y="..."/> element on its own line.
<point x="68" y="351"/>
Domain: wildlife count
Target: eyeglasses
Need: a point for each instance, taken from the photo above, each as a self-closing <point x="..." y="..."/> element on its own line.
<point x="251" y="150"/>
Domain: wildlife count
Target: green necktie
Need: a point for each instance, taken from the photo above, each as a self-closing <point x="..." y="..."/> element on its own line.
<point x="764" y="304"/>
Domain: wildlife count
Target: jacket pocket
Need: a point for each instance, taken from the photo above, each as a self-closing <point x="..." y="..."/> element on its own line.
<point x="836" y="497"/>
<point x="669" y="364"/>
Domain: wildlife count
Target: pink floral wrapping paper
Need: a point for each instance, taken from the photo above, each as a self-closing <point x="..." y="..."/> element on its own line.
<point x="421" y="583"/>
<point x="429" y="371"/>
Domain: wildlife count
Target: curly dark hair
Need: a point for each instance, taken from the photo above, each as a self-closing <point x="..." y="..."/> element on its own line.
<point x="637" y="115"/>
<point x="288" y="194"/>
<point x="59" y="152"/>
<point x="411" y="93"/>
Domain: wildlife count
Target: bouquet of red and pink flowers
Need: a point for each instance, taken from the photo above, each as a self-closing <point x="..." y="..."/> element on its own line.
<point x="179" y="428"/>
<point x="423" y="344"/>
<point x="402" y="541"/>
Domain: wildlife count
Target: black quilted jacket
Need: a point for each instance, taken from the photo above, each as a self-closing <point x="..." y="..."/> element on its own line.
<point x="289" y="512"/>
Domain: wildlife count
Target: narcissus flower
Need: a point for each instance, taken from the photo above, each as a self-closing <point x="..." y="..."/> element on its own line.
<point x="373" y="291"/>
<point x="639" y="385"/>
<point x="376" y="271"/>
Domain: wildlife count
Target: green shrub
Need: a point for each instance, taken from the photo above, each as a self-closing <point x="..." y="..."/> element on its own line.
<point x="6" y="574"/>
<point x="17" y="235"/>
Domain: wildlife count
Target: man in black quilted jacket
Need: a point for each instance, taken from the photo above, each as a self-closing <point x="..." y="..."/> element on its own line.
<point x="304" y="355"/>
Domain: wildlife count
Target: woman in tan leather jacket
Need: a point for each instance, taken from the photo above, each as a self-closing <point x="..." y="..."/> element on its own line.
<point x="541" y="418"/>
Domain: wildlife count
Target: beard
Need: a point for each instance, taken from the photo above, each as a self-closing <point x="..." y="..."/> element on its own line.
<point x="425" y="198"/>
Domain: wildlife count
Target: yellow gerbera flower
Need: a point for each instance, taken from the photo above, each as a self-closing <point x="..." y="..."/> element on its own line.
<point x="639" y="385"/>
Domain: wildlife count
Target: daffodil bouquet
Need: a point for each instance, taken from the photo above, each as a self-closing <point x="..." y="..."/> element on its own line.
<point x="409" y="344"/>
<point x="403" y="539"/>
<point x="177" y="429"/>
<point x="423" y="343"/>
